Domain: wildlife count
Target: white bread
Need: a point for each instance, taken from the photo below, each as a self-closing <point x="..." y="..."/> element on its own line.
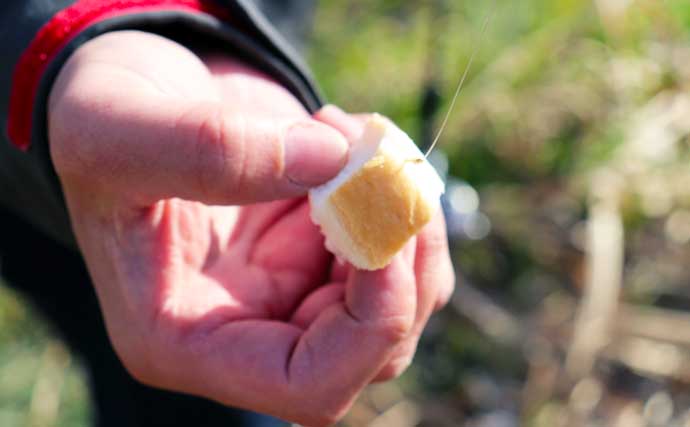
<point x="384" y="195"/>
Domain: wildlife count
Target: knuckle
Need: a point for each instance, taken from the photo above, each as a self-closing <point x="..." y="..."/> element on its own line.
<point x="395" y="368"/>
<point x="396" y="328"/>
<point x="219" y="152"/>
<point x="434" y="238"/>
<point x="436" y="242"/>
<point x="400" y="361"/>
<point x="210" y="167"/>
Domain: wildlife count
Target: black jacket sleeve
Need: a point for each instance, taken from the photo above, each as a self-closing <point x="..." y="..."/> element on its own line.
<point x="258" y="34"/>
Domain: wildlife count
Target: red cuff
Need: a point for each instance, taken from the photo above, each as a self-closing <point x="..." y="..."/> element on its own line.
<point x="57" y="33"/>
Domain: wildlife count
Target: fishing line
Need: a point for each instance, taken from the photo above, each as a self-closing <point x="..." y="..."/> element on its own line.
<point x="485" y="24"/>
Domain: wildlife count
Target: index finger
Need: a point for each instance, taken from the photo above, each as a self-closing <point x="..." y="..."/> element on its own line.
<point x="350" y="125"/>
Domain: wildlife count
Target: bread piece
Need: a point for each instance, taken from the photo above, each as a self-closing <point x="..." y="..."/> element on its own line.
<point x="384" y="195"/>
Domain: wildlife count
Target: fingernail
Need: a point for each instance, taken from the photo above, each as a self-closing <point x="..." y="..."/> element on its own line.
<point x="314" y="153"/>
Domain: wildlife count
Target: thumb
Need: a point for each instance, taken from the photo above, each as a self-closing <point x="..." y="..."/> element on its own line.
<point x="249" y="158"/>
<point x="153" y="147"/>
<point x="139" y="117"/>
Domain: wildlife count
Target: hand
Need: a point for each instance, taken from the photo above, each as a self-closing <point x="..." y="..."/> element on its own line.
<point x="165" y="159"/>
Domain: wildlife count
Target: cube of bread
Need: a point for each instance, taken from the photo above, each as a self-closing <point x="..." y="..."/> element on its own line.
<point x="385" y="195"/>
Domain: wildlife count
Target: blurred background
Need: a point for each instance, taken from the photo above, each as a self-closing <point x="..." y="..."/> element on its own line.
<point x="568" y="206"/>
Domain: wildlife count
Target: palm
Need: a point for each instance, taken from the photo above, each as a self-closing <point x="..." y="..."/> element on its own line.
<point x="230" y="263"/>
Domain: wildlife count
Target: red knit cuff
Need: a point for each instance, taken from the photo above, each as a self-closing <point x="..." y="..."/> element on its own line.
<point x="57" y="33"/>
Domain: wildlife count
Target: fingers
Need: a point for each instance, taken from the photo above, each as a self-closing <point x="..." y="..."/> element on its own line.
<point x="445" y="292"/>
<point x="346" y="346"/>
<point x="310" y="377"/>
<point x="433" y="262"/>
<point x="349" y="125"/>
<point x="435" y="281"/>
<point x="292" y="251"/>
<point x="339" y="270"/>
<point x="255" y="220"/>
<point x="310" y="370"/>
<point x="151" y="142"/>
<point x="316" y="303"/>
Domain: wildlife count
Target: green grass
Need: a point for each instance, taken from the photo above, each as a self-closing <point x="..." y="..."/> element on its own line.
<point x="35" y="367"/>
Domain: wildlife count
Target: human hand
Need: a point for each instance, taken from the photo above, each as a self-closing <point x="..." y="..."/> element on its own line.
<point x="165" y="161"/>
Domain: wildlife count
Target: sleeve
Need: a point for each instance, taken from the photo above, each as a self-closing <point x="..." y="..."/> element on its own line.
<point x="38" y="36"/>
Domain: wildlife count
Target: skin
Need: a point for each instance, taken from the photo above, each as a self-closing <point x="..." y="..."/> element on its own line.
<point x="185" y="178"/>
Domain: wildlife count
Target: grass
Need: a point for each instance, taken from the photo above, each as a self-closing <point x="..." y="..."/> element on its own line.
<point x="40" y="382"/>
